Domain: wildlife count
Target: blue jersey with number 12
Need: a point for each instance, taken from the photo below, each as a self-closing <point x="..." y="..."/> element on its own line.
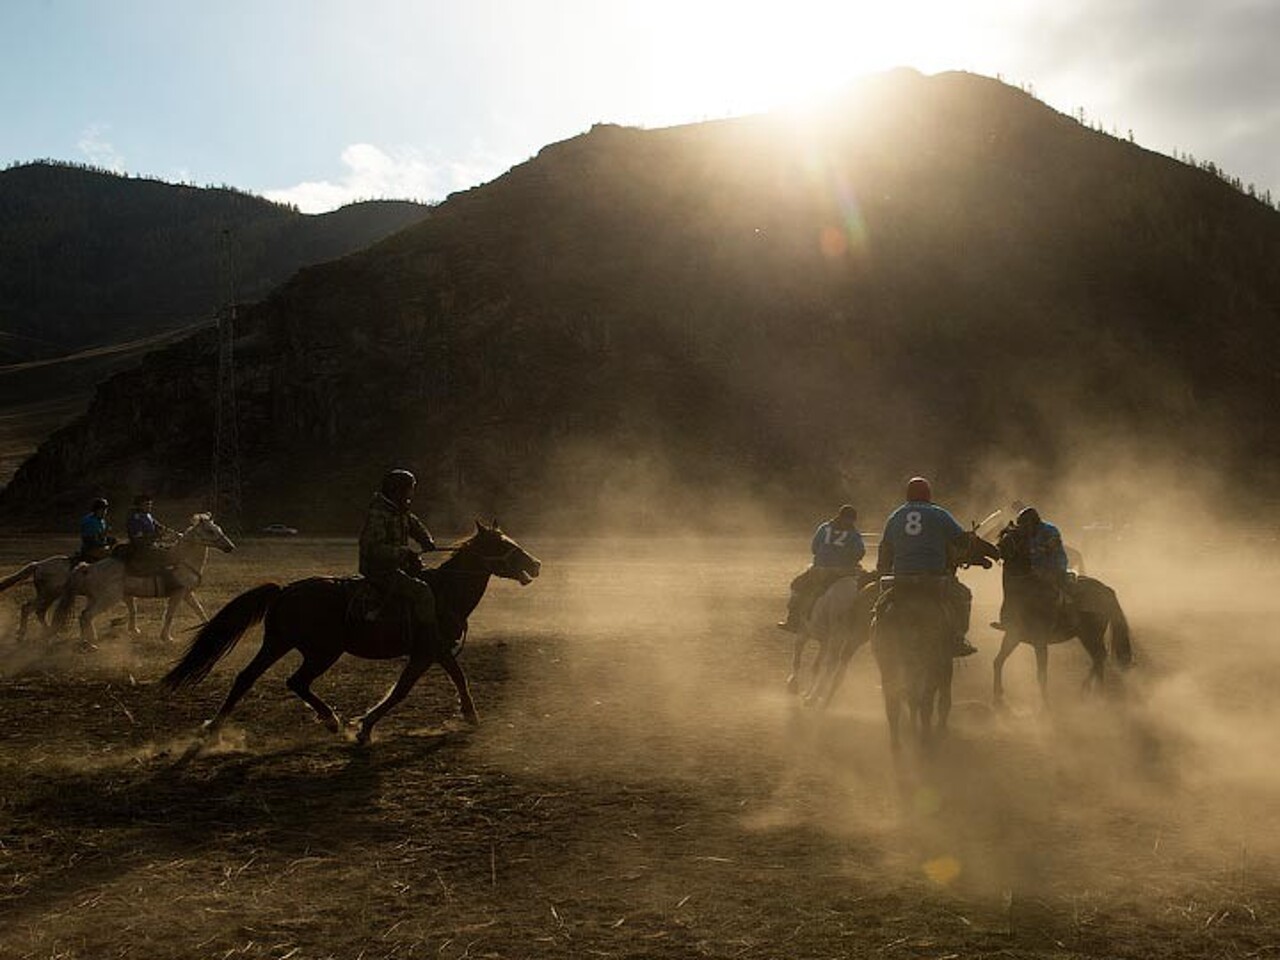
<point x="916" y="537"/>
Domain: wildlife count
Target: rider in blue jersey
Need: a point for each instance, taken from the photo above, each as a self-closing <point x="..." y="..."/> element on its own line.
<point x="95" y="542"/>
<point x="917" y="539"/>
<point x="1040" y="542"/>
<point x="837" y="550"/>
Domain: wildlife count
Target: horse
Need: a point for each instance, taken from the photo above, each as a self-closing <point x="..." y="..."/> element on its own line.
<point x="912" y="637"/>
<point x="107" y="582"/>
<point x="1037" y="619"/>
<point x="48" y="577"/>
<point x="314" y="616"/>
<point x="839" y="622"/>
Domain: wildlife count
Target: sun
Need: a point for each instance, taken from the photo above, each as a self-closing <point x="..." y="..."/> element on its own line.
<point x="715" y="58"/>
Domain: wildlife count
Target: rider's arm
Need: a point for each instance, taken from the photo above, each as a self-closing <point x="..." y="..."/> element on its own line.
<point x="819" y="539"/>
<point x="419" y="532"/>
<point x="857" y="549"/>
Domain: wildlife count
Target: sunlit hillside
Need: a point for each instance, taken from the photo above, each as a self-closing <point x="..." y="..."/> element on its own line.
<point x="936" y="275"/>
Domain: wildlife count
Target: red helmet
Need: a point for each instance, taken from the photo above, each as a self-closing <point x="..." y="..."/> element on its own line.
<point x="918" y="489"/>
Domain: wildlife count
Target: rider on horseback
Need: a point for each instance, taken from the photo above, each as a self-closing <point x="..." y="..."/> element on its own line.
<point x="1039" y="544"/>
<point x="917" y="542"/>
<point x="144" y="556"/>
<point x="95" y="542"/>
<point x="837" y="549"/>
<point x="386" y="559"/>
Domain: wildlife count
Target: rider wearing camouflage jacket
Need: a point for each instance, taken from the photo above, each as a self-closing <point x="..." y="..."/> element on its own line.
<point x="386" y="559"/>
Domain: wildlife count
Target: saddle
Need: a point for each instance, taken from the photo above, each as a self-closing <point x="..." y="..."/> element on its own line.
<point x="367" y="604"/>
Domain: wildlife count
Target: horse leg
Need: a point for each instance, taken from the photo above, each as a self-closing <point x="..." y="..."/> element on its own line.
<point x="454" y="670"/>
<point x="92" y="609"/>
<point x="262" y="661"/>
<point x="892" y="712"/>
<point x="22" y="622"/>
<point x="170" y="608"/>
<point x="944" y="698"/>
<point x="300" y="683"/>
<point x="797" y="653"/>
<point x="1007" y="646"/>
<point x="1042" y="670"/>
<point x="194" y="603"/>
<point x="415" y="668"/>
<point x="132" y="606"/>
<point x="1093" y="645"/>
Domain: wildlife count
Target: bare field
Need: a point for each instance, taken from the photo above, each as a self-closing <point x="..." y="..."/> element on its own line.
<point x="642" y="786"/>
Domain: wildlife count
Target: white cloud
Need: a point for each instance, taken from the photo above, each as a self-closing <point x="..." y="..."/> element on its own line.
<point x="375" y="174"/>
<point x="96" y="149"/>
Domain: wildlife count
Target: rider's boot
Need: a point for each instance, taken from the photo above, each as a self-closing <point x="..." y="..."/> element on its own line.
<point x="794" y="623"/>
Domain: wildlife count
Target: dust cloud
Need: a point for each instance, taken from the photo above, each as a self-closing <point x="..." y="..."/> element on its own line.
<point x="654" y="659"/>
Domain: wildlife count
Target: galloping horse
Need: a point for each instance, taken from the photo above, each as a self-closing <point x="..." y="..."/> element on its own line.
<point x="912" y="638"/>
<point x="48" y="577"/>
<point x="840" y="623"/>
<point x="1035" y="619"/>
<point x="107" y="582"/>
<point x="314" y="617"/>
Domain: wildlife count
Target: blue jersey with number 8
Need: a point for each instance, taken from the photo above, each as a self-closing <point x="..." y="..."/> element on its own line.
<point x="916" y="537"/>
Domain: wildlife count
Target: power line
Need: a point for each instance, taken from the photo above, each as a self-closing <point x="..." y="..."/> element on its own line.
<point x="226" y="498"/>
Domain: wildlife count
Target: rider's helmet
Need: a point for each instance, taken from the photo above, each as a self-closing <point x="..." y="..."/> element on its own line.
<point x="99" y="503"/>
<point x="847" y="515"/>
<point x="1028" y="519"/>
<point x="918" y="489"/>
<point x="397" y="486"/>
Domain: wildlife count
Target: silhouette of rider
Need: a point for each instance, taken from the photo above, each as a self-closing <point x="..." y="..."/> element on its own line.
<point x="918" y="540"/>
<point x="837" y="550"/>
<point x="145" y="556"/>
<point x="95" y="541"/>
<point x="386" y="559"/>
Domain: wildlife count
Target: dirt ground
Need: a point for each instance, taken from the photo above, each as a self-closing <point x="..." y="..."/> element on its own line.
<point x="641" y="785"/>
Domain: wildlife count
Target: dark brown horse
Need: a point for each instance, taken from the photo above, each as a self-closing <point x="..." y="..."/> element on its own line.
<point x="1036" y="618"/>
<point x="912" y="639"/>
<point x="314" y="616"/>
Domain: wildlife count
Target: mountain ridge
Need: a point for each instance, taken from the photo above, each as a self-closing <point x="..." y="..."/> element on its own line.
<point x="941" y="276"/>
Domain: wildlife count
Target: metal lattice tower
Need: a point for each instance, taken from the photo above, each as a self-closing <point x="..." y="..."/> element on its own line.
<point x="226" y="503"/>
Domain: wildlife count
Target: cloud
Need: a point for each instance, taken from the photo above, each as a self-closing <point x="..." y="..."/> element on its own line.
<point x="376" y="174"/>
<point x="98" y="150"/>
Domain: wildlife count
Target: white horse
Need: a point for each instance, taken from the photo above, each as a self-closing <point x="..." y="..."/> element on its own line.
<point x="106" y="582"/>
<point x="840" y="622"/>
<point x="48" y="577"/>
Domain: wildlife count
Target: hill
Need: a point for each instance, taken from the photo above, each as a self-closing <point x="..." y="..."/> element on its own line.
<point x="94" y="267"/>
<point x="939" y="274"/>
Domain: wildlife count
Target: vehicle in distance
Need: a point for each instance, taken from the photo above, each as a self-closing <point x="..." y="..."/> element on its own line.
<point x="279" y="530"/>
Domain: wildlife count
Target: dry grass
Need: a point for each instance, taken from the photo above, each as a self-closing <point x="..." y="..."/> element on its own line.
<point x="640" y="787"/>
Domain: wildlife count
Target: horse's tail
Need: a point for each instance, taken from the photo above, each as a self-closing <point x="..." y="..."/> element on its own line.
<point x="73" y="586"/>
<point x="18" y="577"/>
<point x="216" y="638"/>
<point x="1121" y="645"/>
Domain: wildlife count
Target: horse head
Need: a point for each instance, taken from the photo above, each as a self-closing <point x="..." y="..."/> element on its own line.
<point x="501" y="555"/>
<point x="974" y="551"/>
<point x="207" y="533"/>
<point x="1014" y="549"/>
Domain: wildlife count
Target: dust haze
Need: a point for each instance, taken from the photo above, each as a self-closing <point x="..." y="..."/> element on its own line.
<point x="645" y="659"/>
<point x="670" y="670"/>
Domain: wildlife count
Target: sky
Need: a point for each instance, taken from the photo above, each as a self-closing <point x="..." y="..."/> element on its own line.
<point x="322" y="102"/>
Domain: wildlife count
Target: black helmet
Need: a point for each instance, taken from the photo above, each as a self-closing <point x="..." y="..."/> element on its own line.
<point x="398" y="484"/>
<point x="1028" y="518"/>
<point x="99" y="503"/>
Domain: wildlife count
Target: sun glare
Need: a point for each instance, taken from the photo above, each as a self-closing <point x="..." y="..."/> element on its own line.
<point x="731" y="58"/>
